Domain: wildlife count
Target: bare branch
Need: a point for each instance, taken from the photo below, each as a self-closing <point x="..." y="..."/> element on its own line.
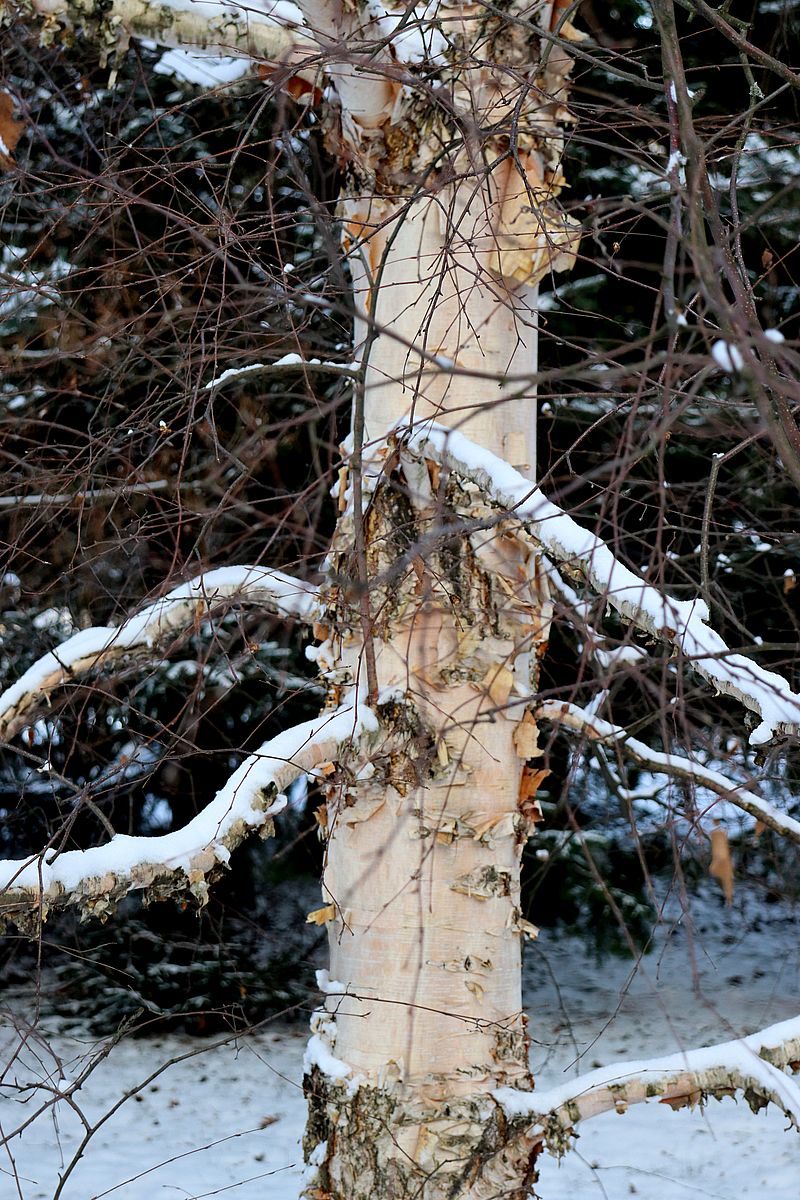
<point x="571" y="717"/>
<point x="175" y="612"/>
<point x="754" y="1065"/>
<point x="717" y="19"/>
<point x="683" y="623"/>
<point x="187" y="859"/>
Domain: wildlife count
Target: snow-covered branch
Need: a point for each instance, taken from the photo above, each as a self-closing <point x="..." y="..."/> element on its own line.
<point x="683" y="623"/>
<point x="94" y="880"/>
<point x="93" y="648"/>
<point x="288" y="362"/>
<point x="263" y="29"/>
<point x="570" y="716"/>
<point x="754" y="1065"/>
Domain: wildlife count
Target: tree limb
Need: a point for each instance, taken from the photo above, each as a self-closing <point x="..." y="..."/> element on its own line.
<point x="187" y="859"/>
<point x="215" y="26"/>
<point x="683" y="623"/>
<point x="180" y="609"/>
<point x="754" y="1065"/>
<point x="570" y="716"/>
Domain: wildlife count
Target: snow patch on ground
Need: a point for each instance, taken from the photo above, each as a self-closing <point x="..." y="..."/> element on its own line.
<point x="227" y="1119"/>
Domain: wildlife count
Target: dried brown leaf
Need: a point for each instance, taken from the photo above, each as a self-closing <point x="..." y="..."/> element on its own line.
<point x="10" y="131"/>
<point x="721" y="867"/>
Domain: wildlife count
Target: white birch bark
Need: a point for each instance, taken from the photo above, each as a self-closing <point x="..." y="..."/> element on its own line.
<point x="445" y="247"/>
<point x="450" y="219"/>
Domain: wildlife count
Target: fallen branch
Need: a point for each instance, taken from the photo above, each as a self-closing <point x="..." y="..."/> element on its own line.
<point x="570" y="716"/>
<point x="683" y="623"/>
<point x="754" y="1065"/>
<point x="178" y="610"/>
<point x="187" y="859"/>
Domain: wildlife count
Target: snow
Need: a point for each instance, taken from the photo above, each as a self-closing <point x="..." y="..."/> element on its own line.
<point x="203" y="70"/>
<point x="290" y="597"/>
<point x="676" y="162"/>
<point x="328" y="986"/>
<point x="234" y="373"/>
<point x="226" y="1117"/>
<point x="414" y="32"/>
<point x="619" y="655"/>
<point x="287" y="360"/>
<point x="240" y="800"/>
<point x="27" y="291"/>
<point x="727" y="356"/>
<point x="739" y="793"/>
<point x="741" y="1054"/>
<point x="319" y="1055"/>
<point x="683" y="622"/>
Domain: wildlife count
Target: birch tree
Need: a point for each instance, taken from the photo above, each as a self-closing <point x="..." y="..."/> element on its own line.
<point x="434" y="610"/>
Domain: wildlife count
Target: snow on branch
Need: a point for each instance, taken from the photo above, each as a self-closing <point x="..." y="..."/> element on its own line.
<point x="684" y="623"/>
<point x="94" y="880"/>
<point x="288" y="362"/>
<point x="270" y="30"/>
<point x="178" y="610"/>
<point x="755" y="1065"/>
<point x="570" y="716"/>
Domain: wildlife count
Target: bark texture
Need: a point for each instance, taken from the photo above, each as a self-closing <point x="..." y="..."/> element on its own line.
<point x="449" y="222"/>
<point x="423" y="853"/>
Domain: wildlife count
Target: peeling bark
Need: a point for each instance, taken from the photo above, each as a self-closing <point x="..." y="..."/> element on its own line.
<point x="450" y="135"/>
<point x="183" y="863"/>
<point x="422" y="866"/>
<point x="756" y="1066"/>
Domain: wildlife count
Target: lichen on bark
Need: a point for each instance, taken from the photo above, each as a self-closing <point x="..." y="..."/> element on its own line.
<point x="458" y="1147"/>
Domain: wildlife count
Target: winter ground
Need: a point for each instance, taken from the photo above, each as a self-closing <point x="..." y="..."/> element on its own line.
<point x="225" y="1121"/>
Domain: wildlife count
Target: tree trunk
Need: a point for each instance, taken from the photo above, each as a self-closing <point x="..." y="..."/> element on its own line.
<point x="441" y="611"/>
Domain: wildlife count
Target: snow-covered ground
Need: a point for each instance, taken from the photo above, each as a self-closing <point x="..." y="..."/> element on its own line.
<point x="226" y="1121"/>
